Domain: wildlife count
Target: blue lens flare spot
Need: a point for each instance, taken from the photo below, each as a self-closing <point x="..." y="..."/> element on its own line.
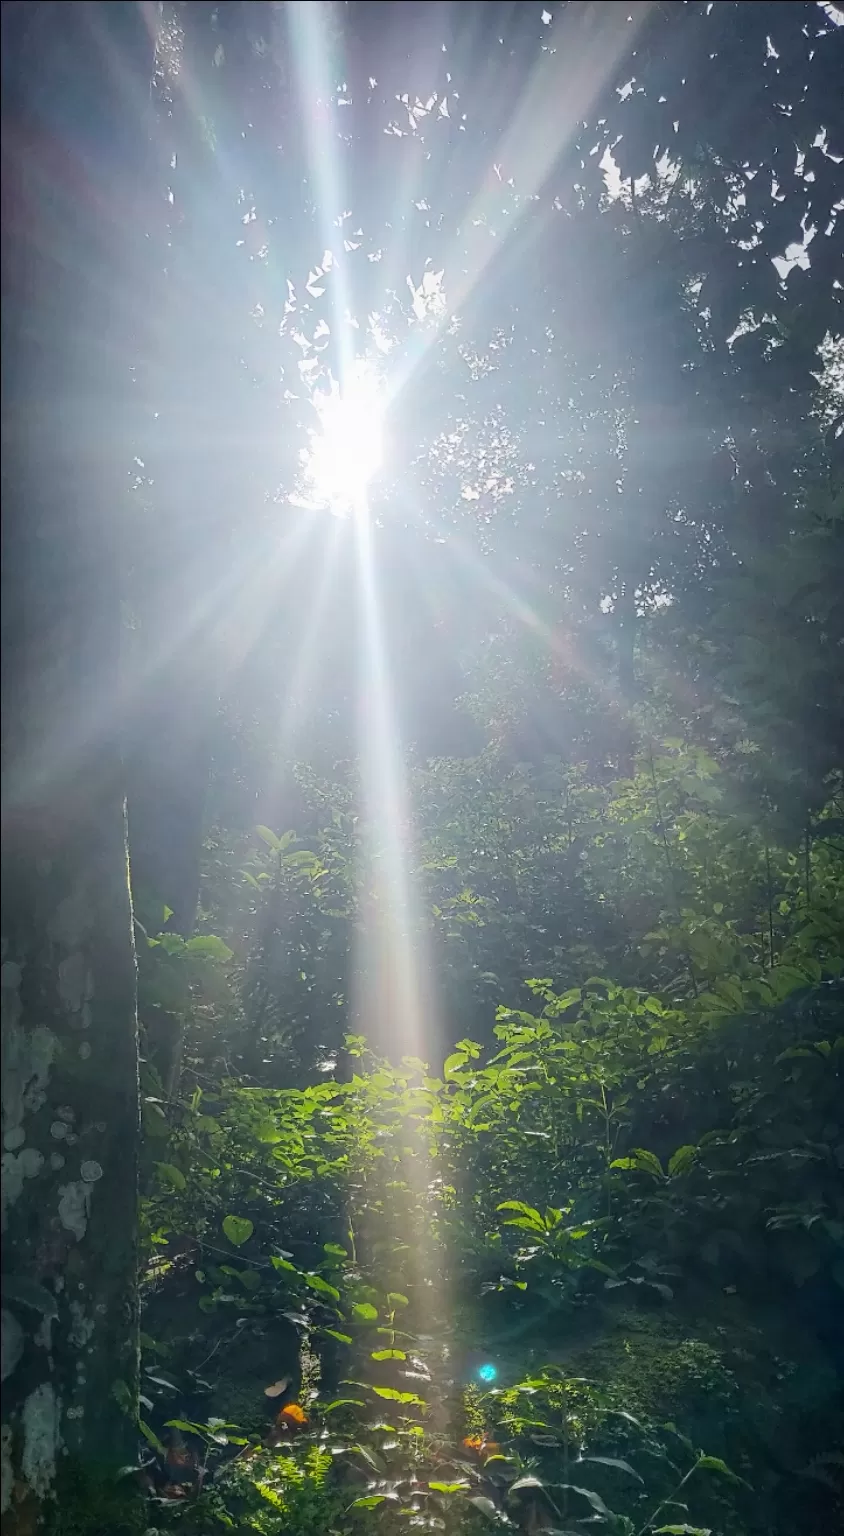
<point x="487" y="1372"/>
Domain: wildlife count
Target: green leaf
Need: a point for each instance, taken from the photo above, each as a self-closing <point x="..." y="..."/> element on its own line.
<point x="485" y="1505"/>
<point x="321" y="1286"/>
<point x="122" y="1394"/>
<point x="453" y="1063"/>
<point x="209" y="947"/>
<point x="525" y="1482"/>
<point x="343" y="1402"/>
<point x="152" y="1438"/>
<point x="565" y="1000"/>
<point x="335" y="1249"/>
<point x="372" y="1459"/>
<point x="528" y="1212"/>
<point x="364" y="1312"/>
<point x="399" y="1397"/>
<point x="161" y="1381"/>
<point x="171" y="943"/>
<point x="622" y="1413"/>
<point x="270" y="839"/>
<point x="592" y="1498"/>
<point x="342" y="1338"/>
<point x="370" y="1501"/>
<point x="449" y="1487"/>
<point x="238" y="1229"/>
<point x="396" y="1299"/>
<point x="682" y="1159"/>
<point x="171" y="1177"/>
<point x="682" y="1530"/>
<point x="279" y="1263"/>
<point x="388" y="1354"/>
<point x="785" y="979"/>
<point x="613" y="1461"/>
<point x="648" y="1162"/>
<point x="715" y="1464"/>
<point x="267" y="1132"/>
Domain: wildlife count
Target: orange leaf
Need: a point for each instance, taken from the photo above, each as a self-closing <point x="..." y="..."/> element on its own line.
<point x="481" y="1445"/>
<point x="292" y="1414"/>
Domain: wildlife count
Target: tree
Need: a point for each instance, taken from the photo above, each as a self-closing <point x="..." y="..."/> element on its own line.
<point x="70" y="1057"/>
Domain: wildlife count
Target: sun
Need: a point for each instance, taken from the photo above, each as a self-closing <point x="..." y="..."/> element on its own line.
<point x="346" y="447"/>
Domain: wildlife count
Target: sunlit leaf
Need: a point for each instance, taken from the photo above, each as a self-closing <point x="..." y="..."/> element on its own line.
<point x="715" y="1464"/>
<point x="209" y="947"/>
<point x="321" y="1286"/>
<point x="648" y="1161"/>
<point x="399" y="1397"/>
<point x="238" y="1229"/>
<point x="170" y="1176"/>
<point x="269" y="838"/>
<point x="682" y="1530"/>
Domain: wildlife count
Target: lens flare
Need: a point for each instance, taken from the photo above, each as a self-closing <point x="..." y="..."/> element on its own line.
<point x="487" y="1373"/>
<point x="346" y="448"/>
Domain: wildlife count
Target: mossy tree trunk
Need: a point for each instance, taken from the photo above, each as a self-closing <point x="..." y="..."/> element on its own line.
<point x="70" y="1120"/>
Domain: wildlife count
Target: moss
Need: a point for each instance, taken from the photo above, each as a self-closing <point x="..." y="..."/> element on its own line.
<point x="243" y="1404"/>
<point x="659" y="1371"/>
<point x="474" y="1415"/>
<point x="90" y="1503"/>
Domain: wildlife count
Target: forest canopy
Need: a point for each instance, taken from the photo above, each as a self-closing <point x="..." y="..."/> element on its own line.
<point x="423" y="735"/>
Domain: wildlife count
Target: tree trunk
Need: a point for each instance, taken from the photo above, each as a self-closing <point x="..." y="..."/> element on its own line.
<point x="70" y="1111"/>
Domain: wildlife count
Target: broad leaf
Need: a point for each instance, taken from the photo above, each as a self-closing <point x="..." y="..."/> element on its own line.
<point x="238" y="1229"/>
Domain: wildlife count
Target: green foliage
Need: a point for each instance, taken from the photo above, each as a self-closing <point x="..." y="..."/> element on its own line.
<point x="598" y="1216"/>
<point x="89" y="1501"/>
<point x="625" y="862"/>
